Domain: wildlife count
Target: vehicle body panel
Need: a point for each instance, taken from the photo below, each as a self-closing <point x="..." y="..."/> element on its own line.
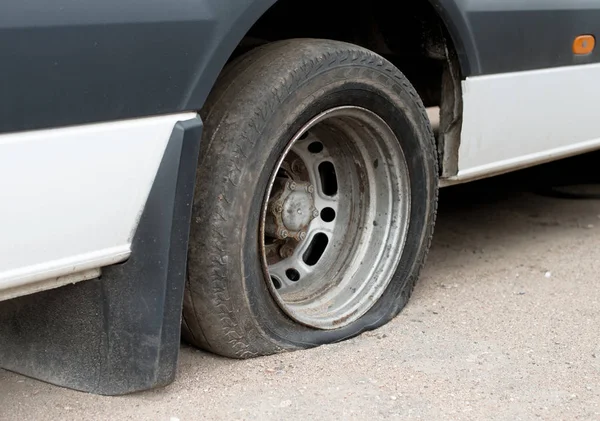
<point x="528" y="98"/>
<point x="70" y="62"/>
<point x="72" y="197"/>
<point x="515" y="120"/>
<point x="498" y="36"/>
<point x="520" y="35"/>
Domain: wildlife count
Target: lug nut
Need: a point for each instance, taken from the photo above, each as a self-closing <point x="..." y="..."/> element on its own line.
<point x="283" y="234"/>
<point x="286" y="252"/>
<point x="297" y="166"/>
<point x="278" y="208"/>
<point x="302" y="235"/>
<point x="310" y="188"/>
<point x="315" y="213"/>
<point x="291" y="185"/>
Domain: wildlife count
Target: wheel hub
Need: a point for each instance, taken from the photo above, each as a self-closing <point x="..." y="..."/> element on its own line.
<point x="291" y="209"/>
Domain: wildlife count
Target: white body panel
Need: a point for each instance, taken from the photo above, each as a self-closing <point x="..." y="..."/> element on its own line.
<point x="71" y="197"/>
<point x="515" y="120"/>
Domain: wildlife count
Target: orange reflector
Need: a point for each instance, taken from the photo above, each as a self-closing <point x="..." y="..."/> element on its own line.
<point x="584" y="44"/>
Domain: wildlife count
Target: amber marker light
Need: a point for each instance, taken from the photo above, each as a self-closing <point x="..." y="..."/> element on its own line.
<point x="584" y="44"/>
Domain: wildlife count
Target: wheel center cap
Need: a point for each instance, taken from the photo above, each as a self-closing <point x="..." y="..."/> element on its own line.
<point x="297" y="212"/>
<point x="291" y="208"/>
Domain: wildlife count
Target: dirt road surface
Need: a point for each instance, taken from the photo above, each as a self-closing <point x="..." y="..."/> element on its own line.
<point x="504" y="325"/>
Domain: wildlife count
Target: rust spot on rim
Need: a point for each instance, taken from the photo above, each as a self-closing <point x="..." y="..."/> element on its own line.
<point x="342" y="320"/>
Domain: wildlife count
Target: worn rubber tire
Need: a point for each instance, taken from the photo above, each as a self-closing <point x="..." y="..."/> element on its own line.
<point x="260" y="101"/>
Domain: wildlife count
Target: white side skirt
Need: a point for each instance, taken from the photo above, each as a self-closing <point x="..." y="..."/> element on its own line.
<point x="71" y="198"/>
<point x="515" y="120"/>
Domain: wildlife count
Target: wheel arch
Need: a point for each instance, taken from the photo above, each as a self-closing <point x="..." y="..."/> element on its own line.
<point x="224" y="48"/>
<point x="452" y="15"/>
<point x="431" y="44"/>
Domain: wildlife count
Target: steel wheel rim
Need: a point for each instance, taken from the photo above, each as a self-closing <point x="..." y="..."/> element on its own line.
<point x="331" y="239"/>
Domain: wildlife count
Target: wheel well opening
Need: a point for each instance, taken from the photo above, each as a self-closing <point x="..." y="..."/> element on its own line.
<point x="415" y="40"/>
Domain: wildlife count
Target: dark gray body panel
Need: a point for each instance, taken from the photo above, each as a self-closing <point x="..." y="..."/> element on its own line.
<point x="66" y="62"/>
<point x="518" y="35"/>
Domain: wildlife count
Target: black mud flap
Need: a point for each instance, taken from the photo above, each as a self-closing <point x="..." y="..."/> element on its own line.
<point x="120" y="333"/>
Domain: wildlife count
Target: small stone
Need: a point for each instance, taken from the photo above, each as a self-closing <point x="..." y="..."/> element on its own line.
<point x="393" y="398"/>
<point x="285" y="404"/>
<point x="548" y="274"/>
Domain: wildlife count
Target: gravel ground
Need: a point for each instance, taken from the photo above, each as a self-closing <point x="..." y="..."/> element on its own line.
<point x="502" y="326"/>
